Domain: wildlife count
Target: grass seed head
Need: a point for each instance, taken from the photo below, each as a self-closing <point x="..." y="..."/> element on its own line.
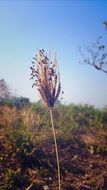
<point x="46" y="77"/>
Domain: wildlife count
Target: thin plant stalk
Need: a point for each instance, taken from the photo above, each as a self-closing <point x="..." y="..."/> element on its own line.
<point x="56" y="149"/>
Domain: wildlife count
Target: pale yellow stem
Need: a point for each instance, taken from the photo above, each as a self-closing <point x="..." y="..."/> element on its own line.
<point x="56" y="150"/>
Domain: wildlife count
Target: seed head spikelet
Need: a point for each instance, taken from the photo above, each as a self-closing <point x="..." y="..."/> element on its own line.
<point x="46" y="77"/>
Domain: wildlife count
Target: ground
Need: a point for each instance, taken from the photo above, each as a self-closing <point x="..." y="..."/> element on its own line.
<point x="83" y="163"/>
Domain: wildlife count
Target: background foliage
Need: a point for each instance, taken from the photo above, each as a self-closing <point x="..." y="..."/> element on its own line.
<point x="27" y="157"/>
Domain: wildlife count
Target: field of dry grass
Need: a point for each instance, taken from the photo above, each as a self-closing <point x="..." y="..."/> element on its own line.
<point x="27" y="153"/>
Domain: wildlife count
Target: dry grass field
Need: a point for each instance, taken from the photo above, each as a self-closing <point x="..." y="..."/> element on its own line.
<point x="27" y="152"/>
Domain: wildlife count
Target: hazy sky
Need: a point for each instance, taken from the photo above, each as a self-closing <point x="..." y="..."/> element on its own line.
<point x="61" y="26"/>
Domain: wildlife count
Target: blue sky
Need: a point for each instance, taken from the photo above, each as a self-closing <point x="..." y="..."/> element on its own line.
<point x="61" y="26"/>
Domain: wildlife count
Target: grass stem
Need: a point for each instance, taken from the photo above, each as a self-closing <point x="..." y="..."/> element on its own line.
<point x="56" y="149"/>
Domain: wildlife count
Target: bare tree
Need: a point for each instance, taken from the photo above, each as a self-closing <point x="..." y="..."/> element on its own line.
<point x="96" y="54"/>
<point x="4" y="90"/>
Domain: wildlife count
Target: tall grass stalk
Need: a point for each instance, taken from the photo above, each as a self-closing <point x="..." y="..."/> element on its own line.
<point x="47" y="79"/>
<point x="56" y="149"/>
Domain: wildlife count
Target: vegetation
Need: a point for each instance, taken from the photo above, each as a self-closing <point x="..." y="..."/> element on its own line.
<point x="96" y="54"/>
<point x="27" y="155"/>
